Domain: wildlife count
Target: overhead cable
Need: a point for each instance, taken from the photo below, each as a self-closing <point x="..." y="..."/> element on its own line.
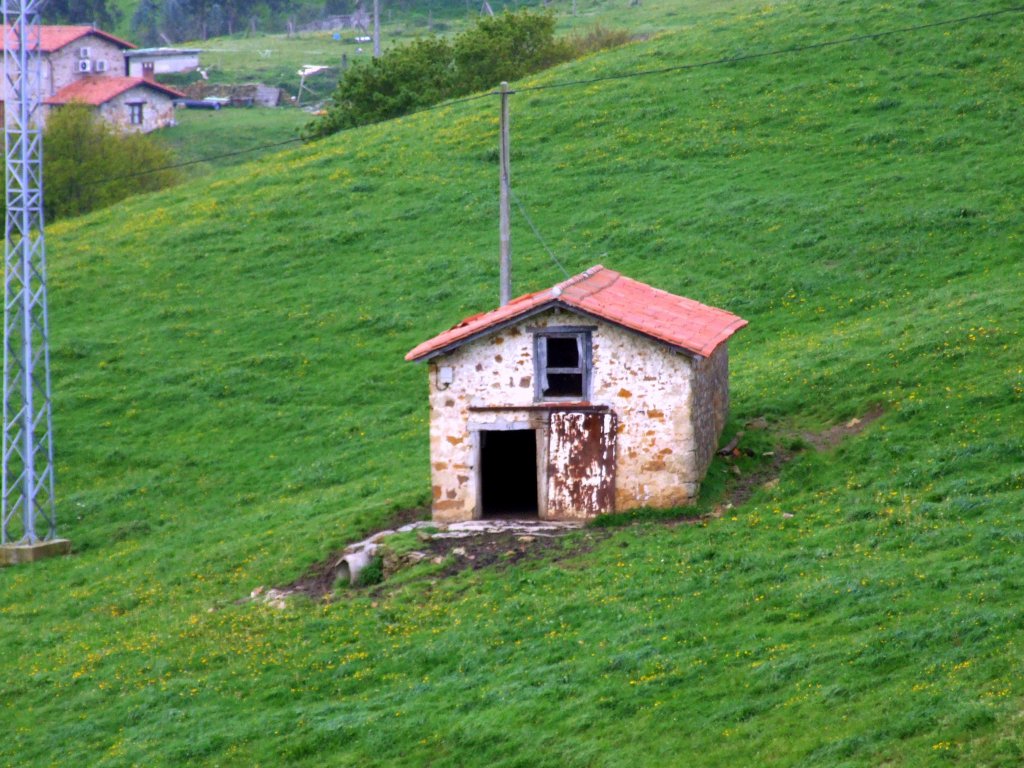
<point x="536" y="233"/>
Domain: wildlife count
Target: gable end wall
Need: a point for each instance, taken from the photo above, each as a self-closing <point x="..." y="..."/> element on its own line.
<point x="651" y="389"/>
<point x="157" y="112"/>
<point x="62" y="65"/>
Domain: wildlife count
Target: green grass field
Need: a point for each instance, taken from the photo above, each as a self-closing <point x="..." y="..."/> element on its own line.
<point x="232" y="404"/>
<point x="275" y="59"/>
<point x="223" y="138"/>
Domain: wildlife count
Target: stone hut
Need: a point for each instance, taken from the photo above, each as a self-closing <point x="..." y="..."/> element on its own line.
<point x="130" y="104"/>
<point x="600" y="394"/>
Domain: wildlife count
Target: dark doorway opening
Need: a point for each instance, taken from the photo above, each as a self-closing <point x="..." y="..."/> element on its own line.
<point x="508" y="473"/>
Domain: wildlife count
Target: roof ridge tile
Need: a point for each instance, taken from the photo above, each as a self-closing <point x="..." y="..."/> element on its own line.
<point x="603" y="293"/>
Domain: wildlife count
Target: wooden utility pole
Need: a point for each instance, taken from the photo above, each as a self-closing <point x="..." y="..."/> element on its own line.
<point x="504" y="225"/>
<point x="376" y="29"/>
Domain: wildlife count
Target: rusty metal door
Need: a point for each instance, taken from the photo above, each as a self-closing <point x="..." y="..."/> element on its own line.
<point x="581" y="464"/>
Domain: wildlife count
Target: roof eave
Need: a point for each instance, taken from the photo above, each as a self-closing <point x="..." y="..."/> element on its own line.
<point x="61" y="98"/>
<point x="174" y="93"/>
<point x="691" y="353"/>
<point x="450" y="347"/>
<point x="109" y="37"/>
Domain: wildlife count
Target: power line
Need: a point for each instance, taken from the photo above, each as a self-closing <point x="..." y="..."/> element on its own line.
<point x="536" y="233"/>
<point x="443" y="104"/>
<point x="195" y="161"/>
<point x="602" y="79"/>
<point x="274" y="145"/>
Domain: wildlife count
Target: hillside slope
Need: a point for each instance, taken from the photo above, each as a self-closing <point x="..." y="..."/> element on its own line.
<point x="232" y="404"/>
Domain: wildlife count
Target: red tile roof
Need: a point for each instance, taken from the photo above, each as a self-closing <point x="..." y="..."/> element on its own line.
<point x="53" y="37"/>
<point x="100" y="89"/>
<point x="605" y="294"/>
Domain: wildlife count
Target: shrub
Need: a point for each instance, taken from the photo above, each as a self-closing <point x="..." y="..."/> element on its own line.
<point x="598" y="38"/>
<point x="395" y="84"/>
<point x="87" y="164"/>
<point x="506" y="47"/>
<point x="428" y="71"/>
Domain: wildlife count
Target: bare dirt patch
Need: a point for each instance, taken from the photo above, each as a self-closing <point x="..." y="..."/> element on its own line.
<point x="825" y="440"/>
<point x="319" y="578"/>
<point x="829" y="438"/>
<point x="457" y="550"/>
<point x="502" y="550"/>
<point x="745" y="484"/>
<point x="411" y="515"/>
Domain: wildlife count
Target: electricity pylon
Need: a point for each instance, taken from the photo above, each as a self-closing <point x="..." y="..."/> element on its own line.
<point x="27" y="514"/>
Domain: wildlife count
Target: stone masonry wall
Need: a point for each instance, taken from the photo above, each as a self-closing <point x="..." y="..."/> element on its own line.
<point x="710" y="404"/>
<point x="63" y="64"/>
<point x="157" y="112"/>
<point x="60" y="68"/>
<point x="649" y="387"/>
<point x="645" y="383"/>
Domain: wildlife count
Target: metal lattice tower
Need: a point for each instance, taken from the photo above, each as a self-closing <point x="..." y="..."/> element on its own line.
<point x="27" y="513"/>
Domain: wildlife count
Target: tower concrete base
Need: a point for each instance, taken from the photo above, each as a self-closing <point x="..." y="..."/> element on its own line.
<point x="13" y="554"/>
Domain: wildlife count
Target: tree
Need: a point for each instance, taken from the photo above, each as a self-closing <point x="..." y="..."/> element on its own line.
<point x="200" y="19"/>
<point x="81" y="12"/>
<point x="146" y="22"/>
<point x="507" y="47"/>
<point x="88" y="165"/>
<point x="431" y="70"/>
<point x="395" y="84"/>
<point x="338" y="7"/>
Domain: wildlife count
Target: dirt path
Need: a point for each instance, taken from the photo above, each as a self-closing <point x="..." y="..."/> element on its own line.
<point x="744" y="486"/>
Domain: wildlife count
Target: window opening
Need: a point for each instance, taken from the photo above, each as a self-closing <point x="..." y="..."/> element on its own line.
<point x="135" y="113"/>
<point x="562" y="361"/>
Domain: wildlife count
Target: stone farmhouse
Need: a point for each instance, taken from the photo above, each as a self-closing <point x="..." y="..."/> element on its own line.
<point x="87" y="65"/>
<point x="600" y="394"/>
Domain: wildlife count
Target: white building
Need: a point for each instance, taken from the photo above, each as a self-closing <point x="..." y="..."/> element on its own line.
<point x="164" y="60"/>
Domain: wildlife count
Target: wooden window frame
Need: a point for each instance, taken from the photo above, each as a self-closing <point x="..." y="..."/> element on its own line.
<point x="136" y="108"/>
<point x="541" y="370"/>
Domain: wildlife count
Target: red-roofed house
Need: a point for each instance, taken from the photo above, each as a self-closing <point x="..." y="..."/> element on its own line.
<point x="87" y="65"/>
<point x="130" y="103"/>
<point x="600" y="394"/>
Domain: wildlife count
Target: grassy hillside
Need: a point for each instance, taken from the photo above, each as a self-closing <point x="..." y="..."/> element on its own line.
<point x="275" y="58"/>
<point x="215" y="139"/>
<point x="232" y="404"/>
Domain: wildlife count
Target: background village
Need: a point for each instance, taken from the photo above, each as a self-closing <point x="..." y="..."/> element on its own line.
<point x="577" y="383"/>
<point x="120" y="81"/>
